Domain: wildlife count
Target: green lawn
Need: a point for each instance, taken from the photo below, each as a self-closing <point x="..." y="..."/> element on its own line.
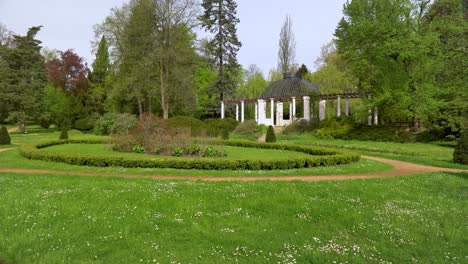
<point x="422" y="153"/>
<point x="67" y="219"/>
<point x="103" y="150"/>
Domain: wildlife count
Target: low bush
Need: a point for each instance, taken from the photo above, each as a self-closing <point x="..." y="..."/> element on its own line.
<point x="270" y="135"/>
<point x="44" y="122"/>
<point x="248" y="130"/>
<point x="111" y="123"/>
<point x="64" y="133"/>
<point x="83" y="124"/>
<point x="4" y="136"/>
<point x="225" y="135"/>
<point x="300" y="126"/>
<point x="379" y="133"/>
<point x="215" y="126"/>
<point x="138" y="149"/>
<point x="196" y="126"/>
<point x="335" y="128"/>
<point x="460" y="154"/>
<point x="321" y="157"/>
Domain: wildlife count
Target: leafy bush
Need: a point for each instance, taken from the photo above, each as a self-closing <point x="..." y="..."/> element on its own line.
<point x="210" y="152"/>
<point x="248" y="130"/>
<point x="322" y="157"/>
<point x="214" y="127"/>
<point x="460" y="154"/>
<point x="44" y="122"/>
<point x="335" y="128"/>
<point x="176" y="151"/>
<point x="4" y="136"/>
<point x="193" y="150"/>
<point x="84" y="124"/>
<point x="196" y="126"/>
<point x="64" y="133"/>
<point x="138" y="149"/>
<point x="111" y="123"/>
<point x="300" y="126"/>
<point x="225" y="135"/>
<point x="270" y="135"/>
<point x="379" y="133"/>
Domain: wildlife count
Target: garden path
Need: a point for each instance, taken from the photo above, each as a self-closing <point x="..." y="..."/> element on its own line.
<point x="400" y="168"/>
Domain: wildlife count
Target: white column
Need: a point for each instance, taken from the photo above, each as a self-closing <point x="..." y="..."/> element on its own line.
<point x="322" y="109"/>
<point x="290" y="111"/>
<point x="347" y="107"/>
<point x="261" y="112"/>
<point x="279" y="113"/>
<point x="369" y="117"/>
<point x="242" y="111"/>
<point x="376" y="117"/>
<point x="293" y="108"/>
<point x="222" y="109"/>
<point x="338" y="107"/>
<point x="237" y="112"/>
<point x="306" y="107"/>
<point x="256" y="112"/>
<point x="272" y="111"/>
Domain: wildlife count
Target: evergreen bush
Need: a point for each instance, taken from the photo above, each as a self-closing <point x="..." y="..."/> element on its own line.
<point x="225" y="135"/>
<point x="64" y="133"/>
<point x="4" y="136"/>
<point x="460" y="154"/>
<point x="270" y="135"/>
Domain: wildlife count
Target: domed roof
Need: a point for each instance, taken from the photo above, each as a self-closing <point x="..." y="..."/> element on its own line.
<point x="289" y="86"/>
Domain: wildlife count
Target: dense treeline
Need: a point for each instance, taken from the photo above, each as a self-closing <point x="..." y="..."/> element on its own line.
<point x="409" y="55"/>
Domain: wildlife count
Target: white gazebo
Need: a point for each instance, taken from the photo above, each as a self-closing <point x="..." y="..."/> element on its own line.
<point x="290" y="90"/>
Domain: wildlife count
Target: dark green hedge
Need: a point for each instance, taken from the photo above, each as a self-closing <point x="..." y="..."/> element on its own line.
<point x="321" y="157"/>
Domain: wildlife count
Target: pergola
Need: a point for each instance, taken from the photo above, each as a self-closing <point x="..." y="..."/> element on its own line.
<point x="288" y="90"/>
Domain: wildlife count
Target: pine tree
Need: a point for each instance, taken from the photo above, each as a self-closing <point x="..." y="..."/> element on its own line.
<point x="220" y="19"/>
<point x="270" y="135"/>
<point x="64" y="133"/>
<point x="4" y="136"/>
<point x="98" y="76"/>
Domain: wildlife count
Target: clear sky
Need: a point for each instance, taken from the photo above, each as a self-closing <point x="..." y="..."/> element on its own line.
<point x="68" y="24"/>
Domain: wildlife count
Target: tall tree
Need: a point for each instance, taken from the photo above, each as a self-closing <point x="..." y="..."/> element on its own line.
<point x="287" y="48"/>
<point x="22" y="78"/>
<point x="220" y="18"/>
<point x="98" y="77"/>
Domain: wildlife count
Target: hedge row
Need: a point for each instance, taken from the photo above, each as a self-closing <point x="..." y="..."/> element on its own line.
<point x="322" y="158"/>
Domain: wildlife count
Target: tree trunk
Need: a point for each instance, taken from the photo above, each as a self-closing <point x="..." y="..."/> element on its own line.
<point x="140" y="106"/>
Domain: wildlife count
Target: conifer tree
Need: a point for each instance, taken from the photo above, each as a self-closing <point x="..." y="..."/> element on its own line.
<point x="99" y="75"/>
<point x="4" y="136"/>
<point x="219" y="18"/>
<point x="270" y="135"/>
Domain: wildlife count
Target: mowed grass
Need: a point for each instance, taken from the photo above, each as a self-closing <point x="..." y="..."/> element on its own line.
<point x="421" y="153"/>
<point x="104" y="150"/>
<point x="67" y="219"/>
<point x="12" y="159"/>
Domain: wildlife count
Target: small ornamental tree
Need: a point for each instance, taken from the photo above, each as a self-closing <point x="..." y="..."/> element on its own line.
<point x="4" y="136"/>
<point x="270" y="135"/>
<point x="64" y="133"/>
<point x="460" y="154"/>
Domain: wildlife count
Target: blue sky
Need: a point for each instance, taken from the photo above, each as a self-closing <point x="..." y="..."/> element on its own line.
<point x="69" y="24"/>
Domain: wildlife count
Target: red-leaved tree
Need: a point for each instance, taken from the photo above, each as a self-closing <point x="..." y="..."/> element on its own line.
<point x="68" y="73"/>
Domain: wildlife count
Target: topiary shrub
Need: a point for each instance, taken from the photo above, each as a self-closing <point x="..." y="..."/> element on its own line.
<point x="460" y="154"/>
<point x="83" y="124"/>
<point x="64" y="133"/>
<point x="270" y="135"/>
<point x="4" y="136"/>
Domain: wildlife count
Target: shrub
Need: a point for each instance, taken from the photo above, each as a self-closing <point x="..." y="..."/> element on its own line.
<point x="196" y="126"/>
<point x="176" y="151"/>
<point x="460" y="154"/>
<point x="44" y="122"/>
<point x="270" y="135"/>
<point x="193" y="150"/>
<point x="210" y="152"/>
<point x="111" y="123"/>
<point x="83" y="124"/>
<point x="64" y="133"/>
<point x="138" y="149"/>
<point x="4" y="136"/>
<point x="248" y="130"/>
<point x="214" y="126"/>
<point x="300" y="126"/>
<point x="323" y="157"/>
<point x="225" y="135"/>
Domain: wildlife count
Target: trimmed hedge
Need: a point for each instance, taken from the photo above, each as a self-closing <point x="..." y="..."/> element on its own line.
<point x="322" y="157"/>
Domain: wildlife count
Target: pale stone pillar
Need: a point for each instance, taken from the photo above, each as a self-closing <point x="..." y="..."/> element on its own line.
<point x="237" y="112"/>
<point x="290" y="112"/>
<point x="261" y="112"/>
<point x="306" y="107"/>
<point x="322" y="109"/>
<point x="279" y="113"/>
<point x="376" y="117"/>
<point x="293" y="108"/>
<point x="369" y="117"/>
<point x="338" y="107"/>
<point x="272" y="111"/>
<point x="347" y="107"/>
<point x="256" y="112"/>
<point x="242" y="111"/>
<point x="222" y="109"/>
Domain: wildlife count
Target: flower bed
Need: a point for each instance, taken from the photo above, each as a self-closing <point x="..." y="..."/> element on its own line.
<point x="318" y="157"/>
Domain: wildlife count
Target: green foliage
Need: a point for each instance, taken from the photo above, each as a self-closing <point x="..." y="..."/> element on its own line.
<point x="300" y="126"/>
<point x="44" y="121"/>
<point x="319" y="157"/>
<point x="64" y="133"/>
<point x="176" y="151"/>
<point x="335" y="128"/>
<point x="195" y="125"/>
<point x="193" y="150"/>
<point x="138" y="149"/>
<point x="460" y="154"/>
<point x="248" y="130"/>
<point x="84" y="124"/>
<point x="225" y="135"/>
<point x="270" y="135"/>
<point x="216" y="126"/>
<point x="111" y="123"/>
<point x="4" y="136"/>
